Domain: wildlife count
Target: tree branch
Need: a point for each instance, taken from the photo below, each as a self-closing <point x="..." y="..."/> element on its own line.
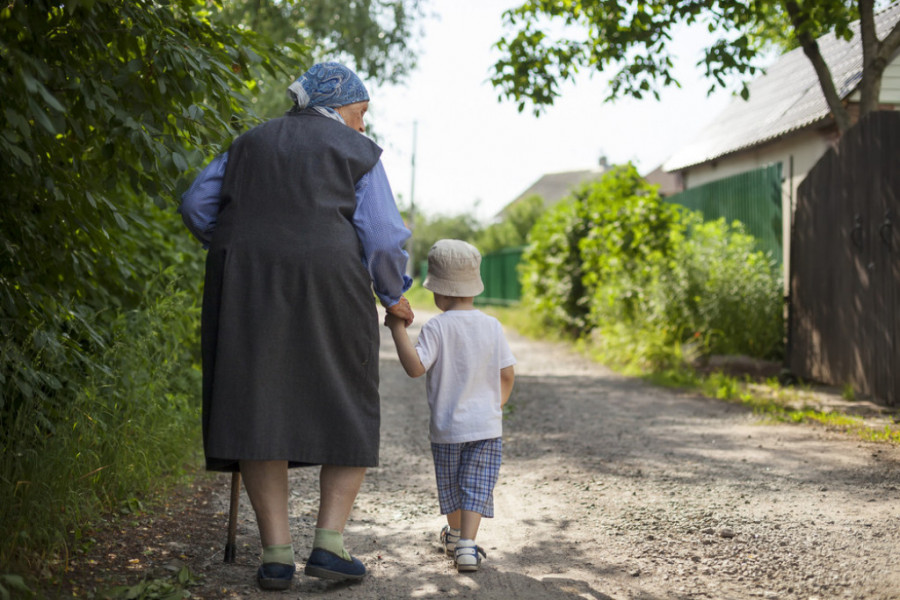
<point x="870" y="85"/>
<point x="811" y="50"/>
<point x="890" y="43"/>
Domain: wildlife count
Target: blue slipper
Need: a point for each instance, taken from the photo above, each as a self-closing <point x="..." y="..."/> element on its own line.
<point x="328" y="565"/>
<point x="275" y="576"/>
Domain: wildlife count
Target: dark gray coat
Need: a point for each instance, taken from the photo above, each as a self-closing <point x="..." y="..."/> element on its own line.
<point x="289" y="326"/>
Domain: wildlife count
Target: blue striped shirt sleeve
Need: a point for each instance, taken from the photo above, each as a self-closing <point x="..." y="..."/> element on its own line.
<point x="200" y="203"/>
<point x="382" y="232"/>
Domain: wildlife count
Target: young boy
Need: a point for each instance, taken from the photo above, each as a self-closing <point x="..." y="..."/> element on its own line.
<point x="470" y="376"/>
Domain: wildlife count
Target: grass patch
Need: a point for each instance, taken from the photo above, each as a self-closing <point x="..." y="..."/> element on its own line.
<point x="776" y="402"/>
<point x="122" y="436"/>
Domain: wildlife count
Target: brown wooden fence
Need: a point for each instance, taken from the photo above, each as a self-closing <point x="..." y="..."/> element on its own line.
<point x="845" y="248"/>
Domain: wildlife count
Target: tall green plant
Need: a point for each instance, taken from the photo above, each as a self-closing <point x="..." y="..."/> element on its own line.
<point x="102" y="100"/>
<point x="125" y="424"/>
<point x="632" y="39"/>
<point x="551" y="270"/>
<point x="720" y="290"/>
<point x="629" y="231"/>
<point x="107" y="105"/>
<point x="588" y="257"/>
<point x="517" y="221"/>
<point x="647" y="281"/>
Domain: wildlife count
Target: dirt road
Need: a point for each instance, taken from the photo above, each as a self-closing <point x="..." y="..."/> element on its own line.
<point x="610" y="488"/>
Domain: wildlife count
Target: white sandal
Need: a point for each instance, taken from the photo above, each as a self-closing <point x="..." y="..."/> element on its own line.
<point x="467" y="556"/>
<point x="448" y="540"/>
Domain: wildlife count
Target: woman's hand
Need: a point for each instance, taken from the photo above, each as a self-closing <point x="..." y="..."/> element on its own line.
<point x="402" y="310"/>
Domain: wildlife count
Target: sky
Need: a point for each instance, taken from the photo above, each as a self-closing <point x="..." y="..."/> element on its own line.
<point x="474" y="154"/>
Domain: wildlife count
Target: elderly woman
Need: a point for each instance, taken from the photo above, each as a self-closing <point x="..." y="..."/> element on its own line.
<point x="301" y="227"/>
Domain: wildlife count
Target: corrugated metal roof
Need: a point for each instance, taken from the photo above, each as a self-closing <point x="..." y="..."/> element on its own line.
<point x="786" y="98"/>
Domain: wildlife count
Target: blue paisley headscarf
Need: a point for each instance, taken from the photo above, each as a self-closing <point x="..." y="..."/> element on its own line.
<point x="326" y="86"/>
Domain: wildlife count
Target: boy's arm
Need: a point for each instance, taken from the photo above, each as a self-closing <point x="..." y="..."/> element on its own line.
<point x="507" y="378"/>
<point x="409" y="358"/>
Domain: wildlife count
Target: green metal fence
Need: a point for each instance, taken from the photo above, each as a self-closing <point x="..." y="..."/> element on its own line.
<point x="753" y="198"/>
<point x="499" y="271"/>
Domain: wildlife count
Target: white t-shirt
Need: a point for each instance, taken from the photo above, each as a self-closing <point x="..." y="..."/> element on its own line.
<point x="463" y="352"/>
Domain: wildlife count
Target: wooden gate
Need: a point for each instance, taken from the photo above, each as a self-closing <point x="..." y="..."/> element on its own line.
<point x="844" y="319"/>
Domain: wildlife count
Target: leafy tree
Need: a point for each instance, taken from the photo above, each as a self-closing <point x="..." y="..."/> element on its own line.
<point x="551" y="270"/>
<point x="108" y="104"/>
<point x="513" y="229"/>
<point x="633" y="36"/>
<point x="643" y="280"/>
<point x="377" y="38"/>
<point x="718" y="290"/>
<point x="629" y="229"/>
<point x="430" y="229"/>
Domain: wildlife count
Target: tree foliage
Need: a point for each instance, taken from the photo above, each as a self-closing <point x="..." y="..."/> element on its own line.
<point x="376" y="37"/>
<point x="109" y="104"/>
<point x="717" y="291"/>
<point x="629" y="231"/>
<point x="517" y="221"/>
<point x="616" y="262"/>
<point x="109" y="107"/>
<point x="429" y="229"/>
<point x="549" y="41"/>
<point x="552" y="271"/>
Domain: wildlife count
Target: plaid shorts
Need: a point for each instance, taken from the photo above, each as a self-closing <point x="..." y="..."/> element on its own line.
<point x="466" y="474"/>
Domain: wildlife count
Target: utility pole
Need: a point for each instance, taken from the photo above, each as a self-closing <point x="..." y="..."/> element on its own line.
<point x="411" y="265"/>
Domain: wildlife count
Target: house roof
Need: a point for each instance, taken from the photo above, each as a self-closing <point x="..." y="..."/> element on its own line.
<point x="786" y="98"/>
<point x="669" y="183"/>
<point x="553" y="187"/>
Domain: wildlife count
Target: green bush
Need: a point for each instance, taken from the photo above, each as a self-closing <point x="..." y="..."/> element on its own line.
<point x="513" y="229"/>
<point x="551" y="267"/>
<point x="646" y="282"/>
<point x="590" y="256"/>
<point x="720" y="290"/>
<point x="109" y="104"/>
<point x="73" y="452"/>
<point x="630" y="232"/>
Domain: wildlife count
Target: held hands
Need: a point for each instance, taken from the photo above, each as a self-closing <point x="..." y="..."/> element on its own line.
<point x="398" y="318"/>
<point x="400" y="312"/>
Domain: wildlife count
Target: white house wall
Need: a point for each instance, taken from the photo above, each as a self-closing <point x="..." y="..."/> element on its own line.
<point x="890" y="84"/>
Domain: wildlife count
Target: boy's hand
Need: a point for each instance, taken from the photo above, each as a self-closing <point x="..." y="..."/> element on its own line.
<point x="402" y="310"/>
<point x="392" y="321"/>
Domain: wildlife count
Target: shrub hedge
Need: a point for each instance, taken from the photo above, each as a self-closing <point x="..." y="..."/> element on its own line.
<point x="647" y="281"/>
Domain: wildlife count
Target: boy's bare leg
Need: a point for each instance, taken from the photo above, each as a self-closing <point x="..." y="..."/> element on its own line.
<point x="453" y="519"/>
<point x="338" y="487"/>
<point x="468" y="524"/>
<point x="266" y="482"/>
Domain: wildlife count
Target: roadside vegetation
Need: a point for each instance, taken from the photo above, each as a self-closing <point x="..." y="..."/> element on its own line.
<point x="112" y="108"/>
<point x="649" y="289"/>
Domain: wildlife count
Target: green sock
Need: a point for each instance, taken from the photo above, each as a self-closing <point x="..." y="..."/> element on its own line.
<point x="331" y="540"/>
<point x="282" y="554"/>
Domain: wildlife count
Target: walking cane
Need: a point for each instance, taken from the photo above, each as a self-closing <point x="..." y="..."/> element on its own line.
<point x="232" y="516"/>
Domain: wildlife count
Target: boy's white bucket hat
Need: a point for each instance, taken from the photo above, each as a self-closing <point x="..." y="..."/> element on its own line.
<point x="454" y="269"/>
